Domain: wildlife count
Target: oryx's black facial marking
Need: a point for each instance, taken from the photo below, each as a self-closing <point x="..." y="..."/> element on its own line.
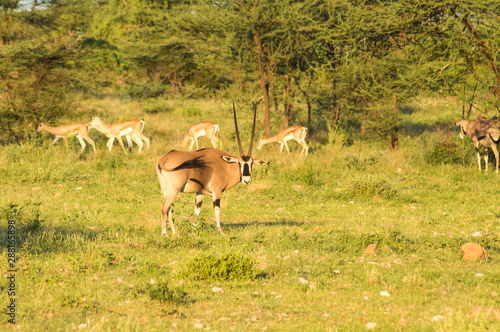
<point x="217" y="203"/>
<point x="246" y="170"/>
<point x="246" y="158"/>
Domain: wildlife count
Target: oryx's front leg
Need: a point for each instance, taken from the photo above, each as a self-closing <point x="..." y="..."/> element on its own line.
<point x="286" y="146"/>
<point x="197" y="204"/>
<point x="216" y="203"/>
<point x="478" y="159"/>
<point x="55" y="140"/>
<point x="191" y="146"/>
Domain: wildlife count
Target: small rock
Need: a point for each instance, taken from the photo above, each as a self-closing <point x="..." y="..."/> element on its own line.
<point x="303" y="280"/>
<point x="479" y="275"/>
<point x="371" y="250"/>
<point x="473" y="251"/>
<point x="437" y="318"/>
<point x="385" y="293"/>
<point x="477" y="234"/>
<point x="217" y="290"/>
<point x="371" y="326"/>
<point x="152" y="281"/>
<point x="82" y="326"/>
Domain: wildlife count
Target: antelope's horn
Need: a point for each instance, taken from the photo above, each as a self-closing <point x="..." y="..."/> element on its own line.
<point x="463" y="106"/>
<point x="237" y="132"/>
<point x="471" y="102"/>
<point x="253" y="129"/>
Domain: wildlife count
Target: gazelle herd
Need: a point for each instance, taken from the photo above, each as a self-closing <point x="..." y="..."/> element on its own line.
<point x="210" y="171"/>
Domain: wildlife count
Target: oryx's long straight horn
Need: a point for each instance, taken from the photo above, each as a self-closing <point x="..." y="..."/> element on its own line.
<point x="253" y="128"/>
<point x="237" y="132"/>
<point x="471" y="102"/>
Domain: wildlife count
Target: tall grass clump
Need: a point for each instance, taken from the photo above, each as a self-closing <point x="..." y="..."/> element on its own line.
<point x="373" y="188"/>
<point x="233" y="266"/>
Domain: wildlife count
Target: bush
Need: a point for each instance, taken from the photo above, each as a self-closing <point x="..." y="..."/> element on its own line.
<point x="444" y="153"/>
<point x="379" y="188"/>
<point x="220" y="267"/>
<point x="163" y="293"/>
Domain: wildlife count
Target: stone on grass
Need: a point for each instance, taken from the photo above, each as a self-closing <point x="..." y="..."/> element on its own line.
<point x="371" y="250"/>
<point x="473" y="251"/>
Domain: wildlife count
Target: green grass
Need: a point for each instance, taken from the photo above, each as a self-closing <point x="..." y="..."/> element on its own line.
<point x="90" y="249"/>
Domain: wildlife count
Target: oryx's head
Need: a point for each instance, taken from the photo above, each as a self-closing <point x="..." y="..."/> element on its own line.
<point x="463" y="124"/>
<point x="245" y="162"/>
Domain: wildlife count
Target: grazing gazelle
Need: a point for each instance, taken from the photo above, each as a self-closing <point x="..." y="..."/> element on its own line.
<point x="483" y="132"/>
<point x="80" y="130"/>
<point x="203" y="172"/>
<point x="297" y="133"/>
<point x="130" y="128"/>
<point x="207" y="128"/>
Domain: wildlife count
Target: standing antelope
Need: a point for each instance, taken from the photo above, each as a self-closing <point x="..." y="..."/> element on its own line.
<point x="483" y="132"/>
<point x="207" y="128"/>
<point x="297" y="133"/>
<point x="203" y="172"/>
<point x="130" y="128"/>
<point x="80" y="130"/>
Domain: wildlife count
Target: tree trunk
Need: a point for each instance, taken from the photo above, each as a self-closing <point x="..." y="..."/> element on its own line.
<point x="264" y="86"/>
<point x="394" y="144"/>
<point x="287" y="105"/>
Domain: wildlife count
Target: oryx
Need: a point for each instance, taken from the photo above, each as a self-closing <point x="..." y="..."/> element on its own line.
<point x="483" y="132"/>
<point x="203" y="172"/>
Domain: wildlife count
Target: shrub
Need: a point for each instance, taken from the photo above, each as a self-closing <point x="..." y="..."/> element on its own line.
<point x="211" y="267"/>
<point x="379" y="188"/>
<point x="163" y="293"/>
<point x="444" y="153"/>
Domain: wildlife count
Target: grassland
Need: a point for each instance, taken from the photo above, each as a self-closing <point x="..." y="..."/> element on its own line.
<point x="91" y="255"/>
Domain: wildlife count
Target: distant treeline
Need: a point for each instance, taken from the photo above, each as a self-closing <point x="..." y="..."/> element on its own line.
<point x="336" y="60"/>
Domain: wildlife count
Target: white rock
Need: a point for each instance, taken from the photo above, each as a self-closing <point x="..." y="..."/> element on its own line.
<point x="385" y="293"/>
<point x="437" y="318"/>
<point x="217" y="290"/>
<point x="476" y="234"/>
<point x="479" y="275"/>
<point x="303" y="280"/>
<point x="82" y="326"/>
<point x="371" y="326"/>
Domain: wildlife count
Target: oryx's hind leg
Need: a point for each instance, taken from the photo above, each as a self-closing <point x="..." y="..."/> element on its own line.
<point x="486" y="160"/>
<point x="144" y="138"/>
<point x="495" y="152"/>
<point x="166" y="212"/>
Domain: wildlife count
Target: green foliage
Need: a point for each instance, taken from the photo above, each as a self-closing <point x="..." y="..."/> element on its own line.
<point x="232" y="266"/>
<point x="445" y="152"/>
<point x="373" y="188"/>
<point x="163" y="293"/>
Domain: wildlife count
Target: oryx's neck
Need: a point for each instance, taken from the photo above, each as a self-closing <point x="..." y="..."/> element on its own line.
<point x="271" y="139"/>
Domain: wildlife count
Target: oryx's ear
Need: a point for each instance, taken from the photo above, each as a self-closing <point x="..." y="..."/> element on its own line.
<point x="260" y="162"/>
<point x="229" y="159"/>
